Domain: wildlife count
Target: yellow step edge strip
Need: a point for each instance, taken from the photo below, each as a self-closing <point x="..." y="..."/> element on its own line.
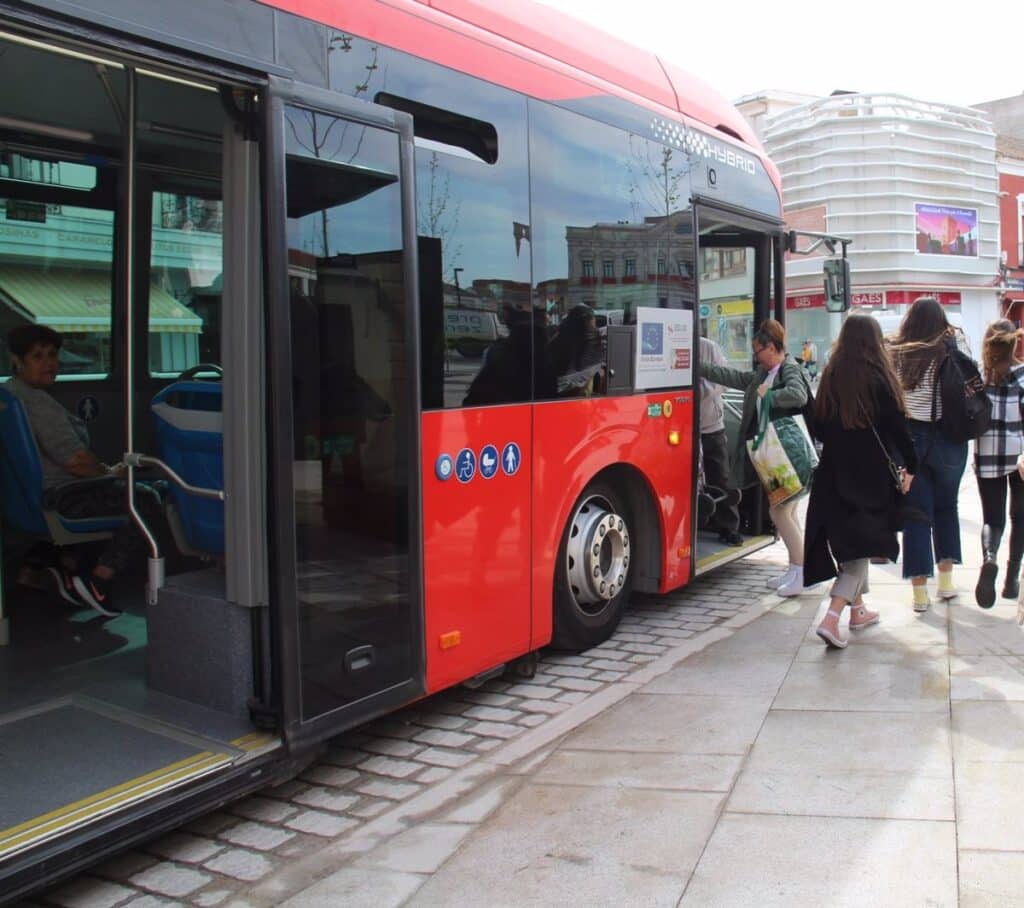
<point x="104" y="801"/>
<point x="254" y="740"/>
<point x="731" y="553"/>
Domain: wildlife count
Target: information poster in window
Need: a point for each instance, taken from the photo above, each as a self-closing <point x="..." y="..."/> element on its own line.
<point x="664" y="348"/>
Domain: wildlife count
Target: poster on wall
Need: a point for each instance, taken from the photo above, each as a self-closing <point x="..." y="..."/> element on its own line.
<point x="942" y="230"/>
<point x="664" y="348"/>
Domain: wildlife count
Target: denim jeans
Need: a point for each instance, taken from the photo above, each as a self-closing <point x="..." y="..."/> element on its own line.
<point x="934" y="492"/>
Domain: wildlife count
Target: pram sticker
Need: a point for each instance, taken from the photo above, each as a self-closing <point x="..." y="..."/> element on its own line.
<point x="443" y="468"/>
<point x="465" y="465"/>
<point x="488" y="461"/>
<point x="510" y="459"/>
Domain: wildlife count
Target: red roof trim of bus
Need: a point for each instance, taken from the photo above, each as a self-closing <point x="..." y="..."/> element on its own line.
<point x="522" y="47"/>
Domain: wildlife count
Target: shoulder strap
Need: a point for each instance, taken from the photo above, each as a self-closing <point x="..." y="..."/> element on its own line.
<point x="763" y="418"/>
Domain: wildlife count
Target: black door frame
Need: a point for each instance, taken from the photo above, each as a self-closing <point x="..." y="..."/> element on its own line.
<point x="770" y="233"/>
<point x="299" y="733"/>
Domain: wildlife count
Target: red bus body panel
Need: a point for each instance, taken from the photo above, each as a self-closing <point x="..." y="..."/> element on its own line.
<point x="476" y="545"/>
<point x="481" y="537"/>
<point x="536" y="50"/>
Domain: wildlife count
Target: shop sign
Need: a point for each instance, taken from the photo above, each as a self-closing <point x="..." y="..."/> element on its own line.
<point x="806" y="301"/>
<point x="871" y="298"/>
<point x="906" y="297"/>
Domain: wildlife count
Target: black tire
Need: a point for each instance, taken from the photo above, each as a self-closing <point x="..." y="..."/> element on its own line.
<point x="580" y="621"/>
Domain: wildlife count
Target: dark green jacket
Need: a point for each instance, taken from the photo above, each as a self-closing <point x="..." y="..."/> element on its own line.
<point x="789" y="394"/>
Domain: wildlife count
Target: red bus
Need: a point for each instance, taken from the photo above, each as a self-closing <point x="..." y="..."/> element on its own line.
<point x="394" y="307"/>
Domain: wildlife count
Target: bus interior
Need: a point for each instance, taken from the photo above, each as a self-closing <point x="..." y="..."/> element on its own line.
<point x="738" y="262"/>
<point x="130" y="720"/>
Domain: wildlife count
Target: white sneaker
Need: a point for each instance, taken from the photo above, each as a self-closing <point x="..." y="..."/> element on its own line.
<point x="782" y="578"/>
<point x="795" y="585"/>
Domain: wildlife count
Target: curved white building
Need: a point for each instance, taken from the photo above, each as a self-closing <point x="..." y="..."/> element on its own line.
<point x="913" y="183"/>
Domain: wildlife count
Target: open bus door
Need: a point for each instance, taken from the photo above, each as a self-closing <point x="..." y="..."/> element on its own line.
<point x="738" y="255"/>
<point x="342" y="287"/>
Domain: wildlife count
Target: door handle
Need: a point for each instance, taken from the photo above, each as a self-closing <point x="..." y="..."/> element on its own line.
<point x="360" y="659"/>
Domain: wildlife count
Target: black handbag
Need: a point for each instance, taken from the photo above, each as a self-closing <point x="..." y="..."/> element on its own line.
<point x="896" y="470"/>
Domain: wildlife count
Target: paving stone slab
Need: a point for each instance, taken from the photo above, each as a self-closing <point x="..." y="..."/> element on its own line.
<point x="868" y="687"/>
<point x="560" y="845"/>
<point x="988" y="806"/>
<point x="849" y="764"/>
<point x="988" y="731"/>
<point x="867" y="860"/>
<point x="679" y="772"/>
<point x="359" y="887"/>
<point x="674" y="723"/>
<point x="991" y="879"/>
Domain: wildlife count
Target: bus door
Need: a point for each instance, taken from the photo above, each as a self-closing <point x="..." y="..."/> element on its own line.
<point x="342" y="341"/>
<point x="735" y="262"/>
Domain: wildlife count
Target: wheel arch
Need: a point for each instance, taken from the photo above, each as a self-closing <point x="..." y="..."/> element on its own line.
<point x="647" y="525"/>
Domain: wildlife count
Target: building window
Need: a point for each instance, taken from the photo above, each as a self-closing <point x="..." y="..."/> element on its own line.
<point x="734" y="261"/>
<point x="588" y="268"/>
<point x="662" y="268"/>
<point x="630" y="267"/>
<point x="609" y="268"/>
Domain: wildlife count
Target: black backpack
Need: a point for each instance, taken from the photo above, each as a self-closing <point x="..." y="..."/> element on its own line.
<point x="966" y="407"/>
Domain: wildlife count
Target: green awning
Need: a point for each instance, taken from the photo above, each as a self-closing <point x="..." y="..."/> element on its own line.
<point x="78" y="302"/>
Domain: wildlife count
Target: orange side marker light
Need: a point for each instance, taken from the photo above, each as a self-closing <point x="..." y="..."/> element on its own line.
<point x="450" y="639"/>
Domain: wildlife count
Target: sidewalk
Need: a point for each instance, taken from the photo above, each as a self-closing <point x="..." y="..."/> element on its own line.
<point x="757" y="768"/>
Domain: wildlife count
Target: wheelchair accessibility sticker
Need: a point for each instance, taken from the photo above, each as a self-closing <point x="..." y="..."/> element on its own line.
<point x="488" y="461"/>
<point x="465" y="465"/>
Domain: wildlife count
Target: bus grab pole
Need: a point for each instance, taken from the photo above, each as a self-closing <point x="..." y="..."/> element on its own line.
<point x="156" y="561"/>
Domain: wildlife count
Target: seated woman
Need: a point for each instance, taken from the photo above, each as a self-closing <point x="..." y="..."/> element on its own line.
<point x="63" y="443"/>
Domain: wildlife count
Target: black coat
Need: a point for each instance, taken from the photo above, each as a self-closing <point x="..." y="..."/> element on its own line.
<point x="853" y="510"/>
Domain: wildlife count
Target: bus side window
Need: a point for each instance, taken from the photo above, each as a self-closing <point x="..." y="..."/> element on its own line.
<point x="472" y="213"/>
<point x="619" y="237"/>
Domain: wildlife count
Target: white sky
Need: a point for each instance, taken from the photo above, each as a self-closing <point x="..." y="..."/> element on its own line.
<point x="961" y="53"/>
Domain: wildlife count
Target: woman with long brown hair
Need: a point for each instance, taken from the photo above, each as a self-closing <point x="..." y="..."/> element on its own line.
<point x="997" y="461"/>
<point x="923" y="342"/>
<point x="866" y="448"/>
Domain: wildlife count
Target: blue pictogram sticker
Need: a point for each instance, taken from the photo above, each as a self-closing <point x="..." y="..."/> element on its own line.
<point x="510" y="459"/>
<point x="444" y="468"/>
<point x="488" y="461"/>
<point x="465" y="465"/>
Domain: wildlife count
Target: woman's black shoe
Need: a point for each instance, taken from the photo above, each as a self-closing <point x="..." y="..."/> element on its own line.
<point x="730" y="538"/>
<point x="985" y="591"/>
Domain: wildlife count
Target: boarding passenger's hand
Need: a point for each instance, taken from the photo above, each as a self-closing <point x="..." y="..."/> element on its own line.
<point x="1020" y="467"/>
<point x="762" y="389"/>
<point x="116" y="469"/>
<point x="907" y="479"/>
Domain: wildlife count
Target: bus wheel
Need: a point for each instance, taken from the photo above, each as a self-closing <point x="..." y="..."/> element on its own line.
<point x="593" y="576"/>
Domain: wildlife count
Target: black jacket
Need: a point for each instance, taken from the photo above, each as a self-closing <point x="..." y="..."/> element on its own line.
<point x="854" y="507"/>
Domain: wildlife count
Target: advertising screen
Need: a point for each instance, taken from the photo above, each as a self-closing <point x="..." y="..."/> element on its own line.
<point x="942" y="230"/>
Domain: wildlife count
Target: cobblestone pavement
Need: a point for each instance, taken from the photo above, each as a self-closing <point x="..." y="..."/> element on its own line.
<point x="375" y="768"/>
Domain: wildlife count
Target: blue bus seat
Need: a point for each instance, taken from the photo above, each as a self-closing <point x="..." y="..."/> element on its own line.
<point x="190" y="435"/>
<point x="22" y="503"/>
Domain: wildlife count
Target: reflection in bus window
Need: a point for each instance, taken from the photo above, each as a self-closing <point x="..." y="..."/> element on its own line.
<point x="472" y="218"/>
<point x="185" y="283"/>
<point x="605" y="195"/>
<point x="55" y="270"/>
<point x="350" y="380"/>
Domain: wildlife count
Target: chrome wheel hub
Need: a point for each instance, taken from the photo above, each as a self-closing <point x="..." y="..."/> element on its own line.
<point x="597" y="554"/>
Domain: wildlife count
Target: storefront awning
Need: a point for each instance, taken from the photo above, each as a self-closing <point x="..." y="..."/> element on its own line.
<point x="78" y="302"/>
